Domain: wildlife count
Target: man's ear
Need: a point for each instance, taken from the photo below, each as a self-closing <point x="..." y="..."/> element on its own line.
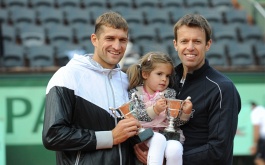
<point x="175" y="45"/>
<point x="93" y="39"/>
<point x="208" y="44"/>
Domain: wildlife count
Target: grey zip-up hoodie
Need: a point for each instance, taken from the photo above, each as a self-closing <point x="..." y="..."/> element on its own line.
<point x="77" y="121"/>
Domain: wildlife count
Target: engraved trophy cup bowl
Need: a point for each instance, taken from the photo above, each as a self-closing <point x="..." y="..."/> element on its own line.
<point x="128" y="110"/>
<point x="174" y="107"/>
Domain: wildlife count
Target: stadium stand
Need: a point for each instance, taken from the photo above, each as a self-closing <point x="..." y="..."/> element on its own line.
<point x="8" y="34"/>
<point x="240" y="54"/>
<point x="22" y="17"/>
<point x="259" y="49"/>
<point x="145" y="4"/>
<point x="65" y="52"/>
<point x="40" y="56"/>
<point x="221" y="3"/>
<point x="235" y="16"/>
<point x="59" y="35"/>
<point x="250" y="33"/>
<point x="171" y="3"/>
<point x="51" y="18"/>
<point x="120" y="3"/>
<point x="225" y="32"/>
<point x="13" y="56"/>
<point x="3" y="16"/>
<point x="15" y="3"/>
<point x="53" y="23"/>
<point x="31" y="35"/>
<point x="216" y="55"/>
<point x="37" y="4"/>
<point x="196" y="3"/>
<point x="94" y="3"/>
<point x="213" y="16"/>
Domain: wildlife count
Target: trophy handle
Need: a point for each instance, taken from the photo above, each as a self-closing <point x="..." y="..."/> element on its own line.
<point x="125" y="109"/>
<point x="114" y="112"/>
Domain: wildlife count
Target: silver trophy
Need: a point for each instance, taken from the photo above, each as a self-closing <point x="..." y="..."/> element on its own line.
<point x="128" y="109"/>
<point x="173" y="111"/>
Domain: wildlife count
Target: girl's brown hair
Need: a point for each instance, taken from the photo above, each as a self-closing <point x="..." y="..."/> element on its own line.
<point x="147" y="64"/>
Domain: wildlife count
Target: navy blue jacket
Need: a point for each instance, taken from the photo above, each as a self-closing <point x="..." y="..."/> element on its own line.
<point x="210" y="132"/>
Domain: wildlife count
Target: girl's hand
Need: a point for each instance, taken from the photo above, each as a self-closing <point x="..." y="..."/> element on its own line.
<point x="187" y="106"/>
<point x="160" y="106"/>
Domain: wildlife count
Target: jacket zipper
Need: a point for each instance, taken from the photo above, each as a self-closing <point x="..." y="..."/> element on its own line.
<point x="119" y="145"/>
<point x="77" y="158"/>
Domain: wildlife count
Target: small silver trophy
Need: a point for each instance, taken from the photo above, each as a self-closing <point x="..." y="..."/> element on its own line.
<point x="174" y="108"/>
<point x="128" y="110"/>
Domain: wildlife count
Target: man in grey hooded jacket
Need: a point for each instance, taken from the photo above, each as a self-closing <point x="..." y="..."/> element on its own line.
<point x="78" y="124"/>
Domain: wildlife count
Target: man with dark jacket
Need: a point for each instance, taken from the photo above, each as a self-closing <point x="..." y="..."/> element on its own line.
<point x="78" y="123"/>
<point x="210" y="132"/>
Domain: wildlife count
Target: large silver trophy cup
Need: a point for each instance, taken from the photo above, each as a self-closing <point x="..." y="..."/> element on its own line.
<point x="129" y="109"/>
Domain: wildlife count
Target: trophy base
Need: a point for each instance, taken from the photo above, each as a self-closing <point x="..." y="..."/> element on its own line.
<point x="171" y="135"/>
<point x="143" y="135"/>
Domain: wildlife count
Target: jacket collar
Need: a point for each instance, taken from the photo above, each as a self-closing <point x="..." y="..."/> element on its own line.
<point x="191" y="76"/>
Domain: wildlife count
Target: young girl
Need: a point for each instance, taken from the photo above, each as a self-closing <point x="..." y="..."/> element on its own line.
<point x="149" y="81"/>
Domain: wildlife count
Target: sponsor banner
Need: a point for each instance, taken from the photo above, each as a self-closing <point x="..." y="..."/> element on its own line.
<point x="22" y="108"/>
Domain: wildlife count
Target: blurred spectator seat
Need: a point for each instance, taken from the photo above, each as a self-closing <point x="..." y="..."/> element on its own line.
<point x="121" y="9"/>
<point x="88" y="47"/>
<point x="8" y="34"/>
<point x="65" y="52"/>
<point x="240" y="54"/>
<point x="134" y="16"/>
<point x="157" y="17"/>
<point x="94" y="3"/>
<point x="212" y="15"/>
<point x="15" y="4"/>
<point x="45" y="4"/>
<point x="235" y="16"/>
<point x="216" y="55"/>
<point x="60" y="35"/>
<point x="4" y="16"/>
<point x="196" y="3"/>
<point x="77" y="17"/>
<point x="67" y="5"/>
<point x="259" y="48"/>
<point x="23" y="16"/>
<point x="153" y="46"/>
<point x="146" y="3"/>
<point x="32" y="35"/>
<point x="144" y="34"/>
<point x="83" y="33"/>
<point x="95" y="12"/>
<point x="40" y="56"/>
<point x="50" y="18"/>
<point x="221" y="3"/>
<point x="225" y="32"/>
<point x="173" y="53"/>
<point x="165" y="33"/>
<point x="120" y="3"/>
<point x="13" y="56"/>
<point x="176" y="14"/>
<point x="172" y="3"/>
<point x="250" y="33"/>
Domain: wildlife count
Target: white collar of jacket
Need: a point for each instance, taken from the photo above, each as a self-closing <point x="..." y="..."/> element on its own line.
<point x="87" y="61"/>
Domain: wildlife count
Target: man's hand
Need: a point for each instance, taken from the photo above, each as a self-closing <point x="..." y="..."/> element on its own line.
<point x="141" y="151"/>
<point x="125" y="129"/>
